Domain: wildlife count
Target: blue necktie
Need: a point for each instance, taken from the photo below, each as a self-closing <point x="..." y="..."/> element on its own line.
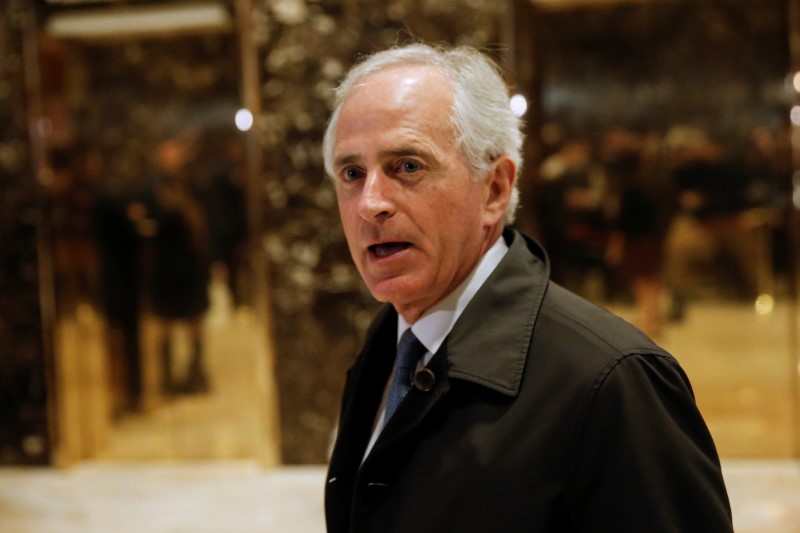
<point x="409" y="350"/>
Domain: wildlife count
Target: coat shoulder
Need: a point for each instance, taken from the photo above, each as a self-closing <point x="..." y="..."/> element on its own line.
<point x="571" y="329"/>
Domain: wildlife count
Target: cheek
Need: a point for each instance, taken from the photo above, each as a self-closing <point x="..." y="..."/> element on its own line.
<point x="461" y="225"/>
<point x="346" y="212"/>
<point x="454" y="230"/>
<point x="460" y="215"/>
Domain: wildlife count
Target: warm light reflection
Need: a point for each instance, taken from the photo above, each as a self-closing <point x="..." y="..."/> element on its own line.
<point x="796" y="189"/>
<point x="796" y="81"/>
<point x="518" y="105"/>
<point x="244" y="120"/>
<point x="794" y="115"/>
<point x="765" y="304"/>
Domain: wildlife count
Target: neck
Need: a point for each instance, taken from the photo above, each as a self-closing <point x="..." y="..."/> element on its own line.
<point x="413" y="311"/>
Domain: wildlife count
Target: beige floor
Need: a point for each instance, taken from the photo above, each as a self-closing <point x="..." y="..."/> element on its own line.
<point x="242" y="497"/>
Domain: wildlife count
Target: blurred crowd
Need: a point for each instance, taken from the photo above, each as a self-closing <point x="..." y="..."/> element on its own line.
<point x="658" y="217"/>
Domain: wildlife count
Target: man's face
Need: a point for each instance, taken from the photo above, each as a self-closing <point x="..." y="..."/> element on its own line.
<point x="416" y="223"/>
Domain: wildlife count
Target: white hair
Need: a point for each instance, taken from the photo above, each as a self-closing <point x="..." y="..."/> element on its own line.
<point x="484" y="126"/>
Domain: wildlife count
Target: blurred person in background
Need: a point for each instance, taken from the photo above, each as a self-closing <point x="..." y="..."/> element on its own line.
<point x="638" y="214"/>
<point x="713" y="241"/>
<point x="570" y="207"/>
<point x="179" y="265"/>
<point x="225" y="206"/>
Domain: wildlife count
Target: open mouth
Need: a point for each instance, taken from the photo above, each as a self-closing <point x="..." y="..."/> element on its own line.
<point x="385" y="249"/>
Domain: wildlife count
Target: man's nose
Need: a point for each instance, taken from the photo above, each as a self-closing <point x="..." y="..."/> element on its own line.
<point x="376" y="196"/>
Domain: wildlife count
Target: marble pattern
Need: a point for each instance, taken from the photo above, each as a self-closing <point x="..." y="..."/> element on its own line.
<point x="23" y="422"/>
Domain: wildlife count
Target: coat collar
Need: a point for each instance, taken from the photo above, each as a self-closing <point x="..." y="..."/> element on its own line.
<point x="489" y="343"/>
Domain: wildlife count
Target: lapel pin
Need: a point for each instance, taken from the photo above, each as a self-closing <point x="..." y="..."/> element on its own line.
<point x="424" y="380"/>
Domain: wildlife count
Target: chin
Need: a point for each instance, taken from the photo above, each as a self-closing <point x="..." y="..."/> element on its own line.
<point x="395" y="291"/>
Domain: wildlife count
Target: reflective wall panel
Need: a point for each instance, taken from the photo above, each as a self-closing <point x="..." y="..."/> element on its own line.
<point x="660" y="183"/>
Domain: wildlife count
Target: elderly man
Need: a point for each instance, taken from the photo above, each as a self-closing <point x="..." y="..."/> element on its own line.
<point x="486" y="397"/>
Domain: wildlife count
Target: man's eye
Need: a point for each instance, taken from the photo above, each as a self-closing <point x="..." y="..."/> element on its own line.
<point x="350" y="174"/>
<point x="410" y="166"/>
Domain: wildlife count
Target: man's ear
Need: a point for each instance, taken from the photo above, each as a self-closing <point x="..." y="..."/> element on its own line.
<point x="500" y="183"/>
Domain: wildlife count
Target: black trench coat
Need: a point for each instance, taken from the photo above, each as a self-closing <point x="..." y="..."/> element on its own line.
<point x="548" y="414"/>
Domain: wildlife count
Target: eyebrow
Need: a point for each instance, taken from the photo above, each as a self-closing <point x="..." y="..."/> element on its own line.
<point x="345" y="160"/>
<point x="400" y="152"/>
<point x="429" y="156"/>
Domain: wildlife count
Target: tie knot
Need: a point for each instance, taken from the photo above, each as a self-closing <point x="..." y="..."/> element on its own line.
<point x="409" y="350"/>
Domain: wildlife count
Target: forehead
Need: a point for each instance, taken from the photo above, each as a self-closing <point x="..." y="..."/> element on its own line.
<point x="402" y="80"/>
<point x="406" y="100"/>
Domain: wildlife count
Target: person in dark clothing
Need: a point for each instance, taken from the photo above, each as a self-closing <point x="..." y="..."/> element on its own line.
<point x="569" y="207"/>
<point x="179" y="271"/>
<point x="513" y="404"/>
<point x="225" y="205"/>
<point x="119" y="245"/>
<point x="636" y="244"/>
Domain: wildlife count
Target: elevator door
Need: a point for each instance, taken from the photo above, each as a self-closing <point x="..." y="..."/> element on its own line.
<point x="160" y="351"/>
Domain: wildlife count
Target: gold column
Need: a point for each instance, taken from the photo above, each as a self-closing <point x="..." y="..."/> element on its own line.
<point x="251" y="97"/>
<point x="793" y="8"/>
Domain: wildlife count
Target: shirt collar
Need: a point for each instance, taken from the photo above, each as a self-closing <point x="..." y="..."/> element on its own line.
<point x="435" y="323"/>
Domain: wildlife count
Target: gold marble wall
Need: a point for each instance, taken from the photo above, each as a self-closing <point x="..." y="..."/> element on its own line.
<point x="23" y="405"/>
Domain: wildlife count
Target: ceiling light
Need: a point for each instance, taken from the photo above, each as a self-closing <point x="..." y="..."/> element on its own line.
<point x="139" y="20"/>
